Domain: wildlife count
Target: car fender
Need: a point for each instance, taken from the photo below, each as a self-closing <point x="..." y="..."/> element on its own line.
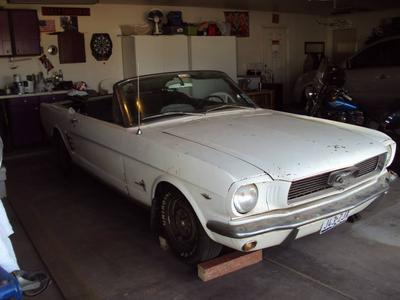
<point x="57" y="128"/>
<point x="177" y="183"/>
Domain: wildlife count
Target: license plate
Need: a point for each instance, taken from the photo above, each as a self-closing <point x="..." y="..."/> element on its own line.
<point x="334" y="221"/>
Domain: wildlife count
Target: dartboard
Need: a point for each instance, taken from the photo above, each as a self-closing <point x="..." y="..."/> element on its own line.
<point x="101" y="46"/>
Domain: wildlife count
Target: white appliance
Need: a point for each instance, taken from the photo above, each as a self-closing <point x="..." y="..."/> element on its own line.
<point x="148" y="54"/>
<point x="214" y="53"/>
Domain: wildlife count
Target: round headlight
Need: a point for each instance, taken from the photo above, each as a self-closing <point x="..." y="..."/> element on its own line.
<point x="245" y="198"/>
<point x="389" y="155"/>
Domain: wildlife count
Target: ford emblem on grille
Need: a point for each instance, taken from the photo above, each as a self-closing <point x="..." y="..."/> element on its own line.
<point x="342" y="178"/>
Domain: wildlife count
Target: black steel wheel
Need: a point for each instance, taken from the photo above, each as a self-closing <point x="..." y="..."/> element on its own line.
<point x="183" y="231"/>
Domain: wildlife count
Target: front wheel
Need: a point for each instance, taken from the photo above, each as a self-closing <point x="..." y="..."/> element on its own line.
<point x="183" y="231"/>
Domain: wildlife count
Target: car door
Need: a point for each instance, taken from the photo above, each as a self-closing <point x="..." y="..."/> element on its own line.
<point x="96" y="146"/>
<point x="373" y="76"/>
<point x="388" y="77"/>
<point x="361" y="75"/>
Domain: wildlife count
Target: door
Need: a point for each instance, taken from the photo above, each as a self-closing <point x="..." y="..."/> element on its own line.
<point x="5" y="37"/>
<point x="214" y="53"/>
<point x="174" y="53"/>
<point x="157" y="54"/>
<point x="24" y="121"/>
<point x="96" y="146"/>
<point x="25" y="28"/>
<point x="344" y="44"/>
<point x="275" y="57"/>
<point x="374" y="76"/>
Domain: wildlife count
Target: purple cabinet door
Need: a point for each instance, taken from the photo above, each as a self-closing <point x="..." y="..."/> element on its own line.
<point x="25" y="31"/>
<point x="24" y="121"/>
<point x="5" y="36"/>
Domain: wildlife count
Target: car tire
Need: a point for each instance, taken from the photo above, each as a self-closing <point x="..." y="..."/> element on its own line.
<point x="183" y="230"/>
<point x="62" y="157"/>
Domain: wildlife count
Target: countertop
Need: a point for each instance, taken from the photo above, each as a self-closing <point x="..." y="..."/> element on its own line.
<point x="12" y="96"/>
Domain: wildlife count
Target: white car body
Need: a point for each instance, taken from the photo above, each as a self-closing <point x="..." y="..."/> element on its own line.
<point x="209" y="157"/>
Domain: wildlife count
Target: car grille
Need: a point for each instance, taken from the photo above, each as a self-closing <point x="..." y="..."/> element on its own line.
<point x="318" y="183"/>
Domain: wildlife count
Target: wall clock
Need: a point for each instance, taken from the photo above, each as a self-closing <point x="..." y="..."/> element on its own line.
<point x="101" y="46"/>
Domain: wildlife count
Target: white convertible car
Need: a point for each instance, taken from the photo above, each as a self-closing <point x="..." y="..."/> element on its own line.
<point x="215" y="169"/>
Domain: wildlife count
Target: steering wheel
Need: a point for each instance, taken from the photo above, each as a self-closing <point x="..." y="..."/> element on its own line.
<point x="215" y="96"/>
<point x="201" y="102"/>
<point x="225" y="96"/>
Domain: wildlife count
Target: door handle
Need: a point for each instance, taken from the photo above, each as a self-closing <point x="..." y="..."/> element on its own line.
<point x="74" y="120"/>
<point x="382" y="76"/>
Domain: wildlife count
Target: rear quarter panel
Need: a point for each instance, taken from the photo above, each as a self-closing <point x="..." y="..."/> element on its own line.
<point x="54" y="116"/>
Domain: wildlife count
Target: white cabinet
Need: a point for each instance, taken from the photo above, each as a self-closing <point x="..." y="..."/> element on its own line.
<point x="147" y="54"/>
<point x="213" y="53"/>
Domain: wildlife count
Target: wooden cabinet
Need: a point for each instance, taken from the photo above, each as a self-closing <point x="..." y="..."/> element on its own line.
<point x="149" y="54"/>
<point x="71" y="45"/>
<point x="52" y="98"/>
<point x="214" y="53"/>
<point x="264" y="98"/>
<point x="24" y="121"/>
<point x="25" y="32"/>
<point x="156" y="54"/>
<point x="19" y="32"/>
<point x="24" y="124"/>
<point x="5" y="36"/>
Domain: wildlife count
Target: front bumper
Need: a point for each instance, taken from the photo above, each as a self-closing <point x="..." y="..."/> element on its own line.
<point x="299" y="216"/>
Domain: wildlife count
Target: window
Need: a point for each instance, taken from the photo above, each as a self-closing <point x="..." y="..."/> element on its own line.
<point x="369" y="58"/>
<point x="171" y="94"/>
<point x="391" y="53"/>
<point x="384" y="54"/>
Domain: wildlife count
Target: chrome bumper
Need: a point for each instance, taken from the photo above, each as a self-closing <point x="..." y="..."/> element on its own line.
<point x="294" y="217"/>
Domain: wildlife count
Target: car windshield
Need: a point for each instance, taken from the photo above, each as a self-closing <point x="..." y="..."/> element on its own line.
<point x="180" y="94"/>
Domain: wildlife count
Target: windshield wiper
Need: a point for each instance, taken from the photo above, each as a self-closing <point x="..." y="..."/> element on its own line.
<point x="225" y="106"/>
<point x="171" y="114"/>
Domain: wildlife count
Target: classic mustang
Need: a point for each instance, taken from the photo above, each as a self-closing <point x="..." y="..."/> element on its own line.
<point x="214" y="168"/>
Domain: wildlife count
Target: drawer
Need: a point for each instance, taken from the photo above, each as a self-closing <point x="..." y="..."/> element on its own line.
<point x="23" y="101"/>
<point x="52" y="98"/>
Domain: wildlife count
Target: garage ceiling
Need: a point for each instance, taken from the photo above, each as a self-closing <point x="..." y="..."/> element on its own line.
<point x="324" y="7"/>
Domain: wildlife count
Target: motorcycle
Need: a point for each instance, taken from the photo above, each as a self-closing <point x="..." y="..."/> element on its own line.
<point x="326" y="97"/>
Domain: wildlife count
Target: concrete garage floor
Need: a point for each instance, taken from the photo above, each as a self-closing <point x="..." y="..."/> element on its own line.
<point x="98" y="245"/>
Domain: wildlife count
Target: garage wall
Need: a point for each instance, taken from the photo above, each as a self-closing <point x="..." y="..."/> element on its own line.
<point x="108" y="18"/>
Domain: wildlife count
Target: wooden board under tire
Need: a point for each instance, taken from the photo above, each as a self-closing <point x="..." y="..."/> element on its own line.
<point x="226" y="264"/>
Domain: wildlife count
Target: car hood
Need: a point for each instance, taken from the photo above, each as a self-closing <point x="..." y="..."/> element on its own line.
<point x="285" y="146"/>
